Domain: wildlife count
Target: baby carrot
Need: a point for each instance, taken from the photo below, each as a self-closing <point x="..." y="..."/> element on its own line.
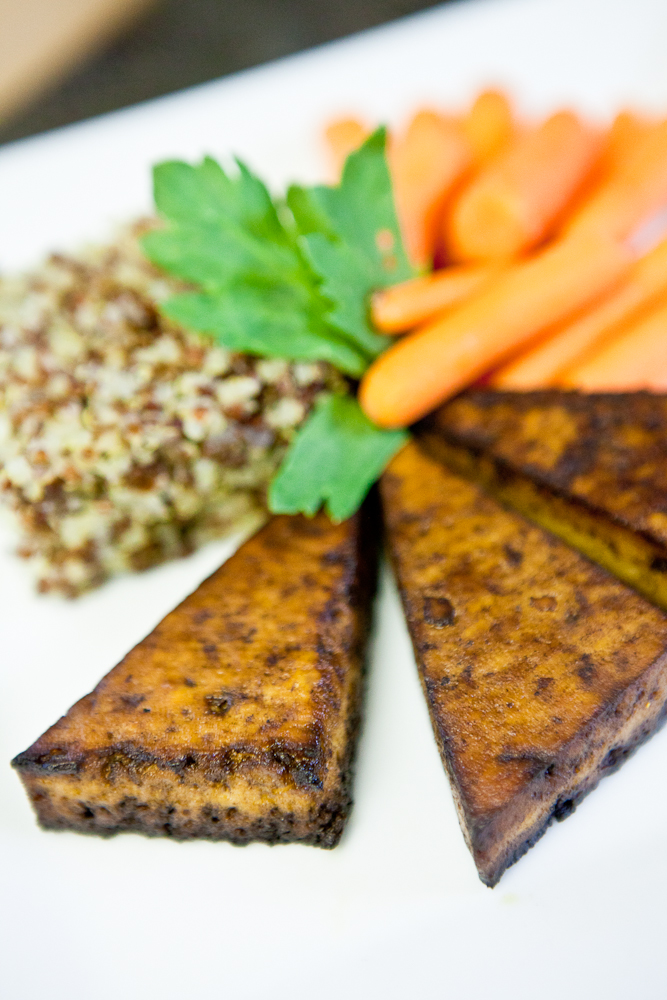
<point x="626" y="131"/>
<point x="636" y="359"/>
<point x="488" y="126"/>
<point x="619" y="142"/>
<point x="426" y="162"/>
<point x="516" y="201"/>
<point x="632" y="192"/>
<point x="543" y="365"/>
<point x="428" y="366"/>
<point x="401" y="307"/>
<point x="342" y="137"/>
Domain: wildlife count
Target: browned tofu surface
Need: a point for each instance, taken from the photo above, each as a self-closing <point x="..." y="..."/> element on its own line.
<point x="590" y="468"/>
<point x="541" y="672"/>
<point x="236" y="717"/>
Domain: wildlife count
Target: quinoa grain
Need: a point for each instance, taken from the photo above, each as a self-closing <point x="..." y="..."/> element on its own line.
<point x="124" y="439"/>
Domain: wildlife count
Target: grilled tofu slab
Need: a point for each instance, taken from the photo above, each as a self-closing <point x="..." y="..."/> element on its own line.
<point x="541" y="671"/>
<point x="236" y="718"/>
<point x="590" y="468"/>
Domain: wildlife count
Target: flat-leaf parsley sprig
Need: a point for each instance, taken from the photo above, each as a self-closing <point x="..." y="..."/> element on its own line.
<point x="291" y="280"/>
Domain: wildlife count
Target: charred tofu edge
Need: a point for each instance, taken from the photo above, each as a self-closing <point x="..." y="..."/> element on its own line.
<point x="498" y="837"/>
<point x="497" y="840"/>
<point x="273" y="790"/>
<point x="629" y="555"/>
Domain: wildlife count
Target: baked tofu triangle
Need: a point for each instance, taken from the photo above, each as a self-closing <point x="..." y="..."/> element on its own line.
<point x="541" y="671"/>
<point x="236" y="718"/>
<point x="590" y="468"/>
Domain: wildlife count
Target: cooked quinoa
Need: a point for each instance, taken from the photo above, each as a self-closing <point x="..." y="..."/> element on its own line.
<point x="124" y="439"/>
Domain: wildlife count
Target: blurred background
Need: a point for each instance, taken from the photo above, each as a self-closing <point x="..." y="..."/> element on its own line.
<point x="65" y="60"/>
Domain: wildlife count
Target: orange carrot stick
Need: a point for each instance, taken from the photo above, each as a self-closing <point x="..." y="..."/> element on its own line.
<point x="632" y="192"/>
<point x="426" y="367"/>
<point x="426" y="162"/>
<point x="627" y="129"/>
<point x="488" y="126"/>
<point x="516" y="201"/>
<point x="543" y="365"/>
<point x="401" y="307"/>
<point x="620" y="142"/>
<point x="342" y="137"/>
<point x="636" y="359"/>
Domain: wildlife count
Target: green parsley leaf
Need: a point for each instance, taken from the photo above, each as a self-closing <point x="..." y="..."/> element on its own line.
<point x="225" y="236"/>
<point x="217" y="257"/>
<point x="221" y="230"/>
<point x="269" y="321"/>
<point x="334" y="459"/>
<point x="307" y="214"/>
<point x="192" y="195"/>
<point x="294" y="282"/>
<point x="359" y="211"/>
<point x="352" y="240"/>
<point x="346" y="281"/>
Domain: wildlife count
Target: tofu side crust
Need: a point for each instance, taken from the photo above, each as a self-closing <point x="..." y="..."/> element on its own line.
<point x="236" y="718"/>
<point x="592" y="469"/>
<point x="541" y="672"/>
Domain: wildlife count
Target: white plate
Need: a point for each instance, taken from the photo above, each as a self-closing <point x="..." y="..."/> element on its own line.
<point x="397" y="910"/>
